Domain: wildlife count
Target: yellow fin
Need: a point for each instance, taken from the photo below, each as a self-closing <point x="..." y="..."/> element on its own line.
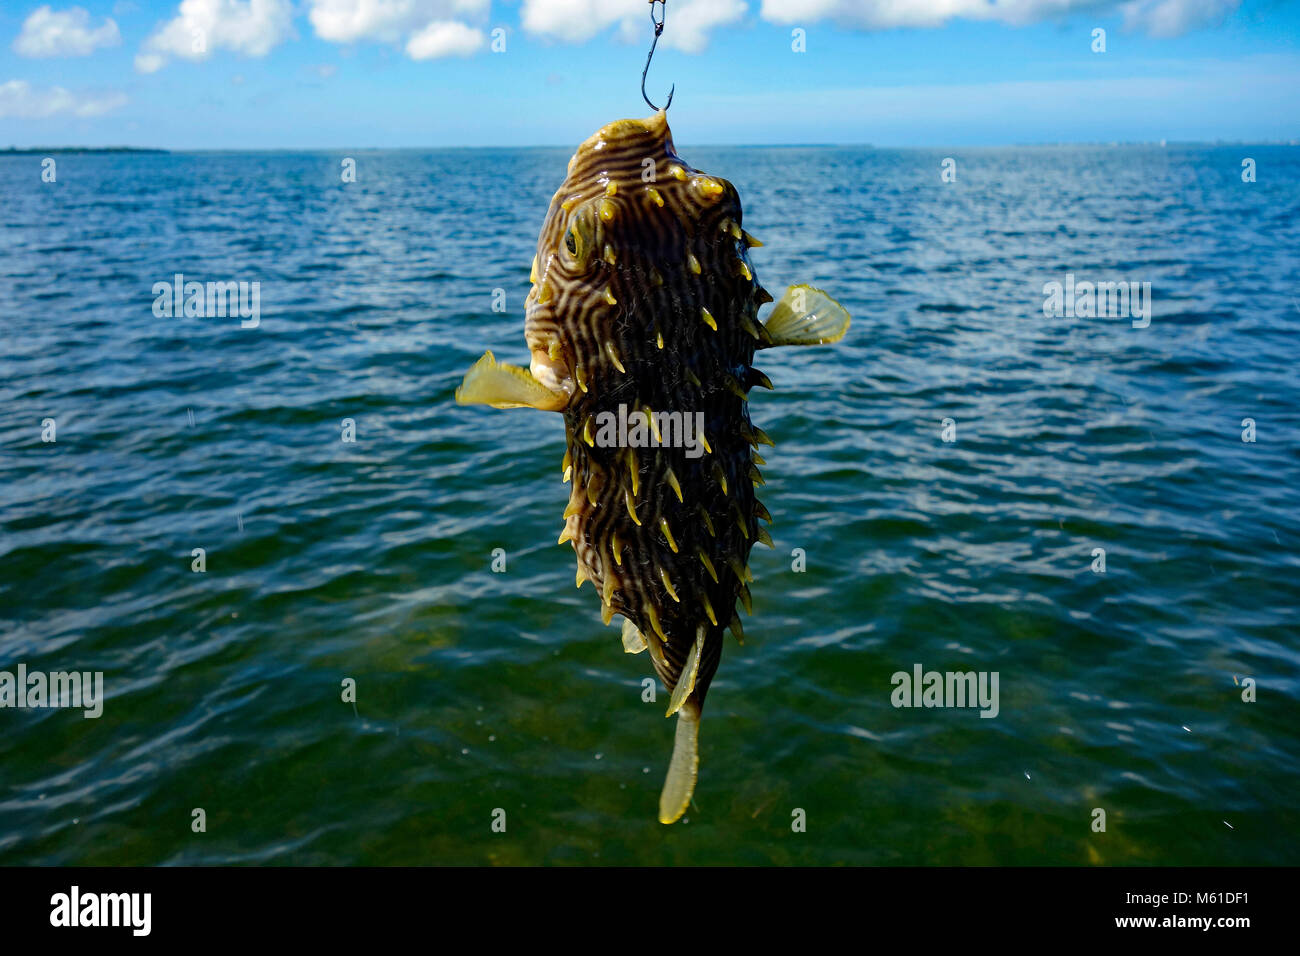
<point x="806" y="316"/>
<point x="506" y="386"/>
<point x="633" y="642"/>
<point x="683" y="768"/>
<point x="690" y="668"/>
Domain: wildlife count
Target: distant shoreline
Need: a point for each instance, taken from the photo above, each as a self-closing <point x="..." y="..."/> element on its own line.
<point x="29" y="150"/>
<point x="1155" y="144"/>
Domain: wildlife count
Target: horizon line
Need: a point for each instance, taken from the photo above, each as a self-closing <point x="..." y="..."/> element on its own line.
<point x="31" y="150"/>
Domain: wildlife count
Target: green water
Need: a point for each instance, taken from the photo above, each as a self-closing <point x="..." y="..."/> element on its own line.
<point x="480" y="691"/>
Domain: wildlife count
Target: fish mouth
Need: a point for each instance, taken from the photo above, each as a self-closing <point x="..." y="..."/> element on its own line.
<point x="653" y="131"/>
<point x="554" y="373"/>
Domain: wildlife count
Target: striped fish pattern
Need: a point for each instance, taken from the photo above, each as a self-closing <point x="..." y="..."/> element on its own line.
<point x="642" y="325"/>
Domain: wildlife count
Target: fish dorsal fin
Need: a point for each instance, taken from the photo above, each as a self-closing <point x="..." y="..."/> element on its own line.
<point x="683" y="768"/>
<point x="686" y="682"/>
<point x="633" y="642"/>
<point x="806" y="316"/>
<point x="495" y="383"/>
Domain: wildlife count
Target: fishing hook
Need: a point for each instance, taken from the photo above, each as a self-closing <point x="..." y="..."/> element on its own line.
<point x="659" y="28"/>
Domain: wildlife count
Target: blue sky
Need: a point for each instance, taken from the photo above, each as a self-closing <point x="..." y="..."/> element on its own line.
<point x="231" y="74"/>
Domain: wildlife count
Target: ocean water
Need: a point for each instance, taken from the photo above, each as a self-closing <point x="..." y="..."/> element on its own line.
<point x="479" y="692"/>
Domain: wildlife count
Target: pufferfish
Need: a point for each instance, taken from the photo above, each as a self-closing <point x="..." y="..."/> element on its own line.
<point x="642" y="324"/>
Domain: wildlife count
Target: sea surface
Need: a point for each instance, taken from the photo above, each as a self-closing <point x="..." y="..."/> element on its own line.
<point x="1161" y="691"/>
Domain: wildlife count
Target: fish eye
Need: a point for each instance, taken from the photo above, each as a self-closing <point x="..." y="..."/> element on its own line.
<point x="579" y="240"/>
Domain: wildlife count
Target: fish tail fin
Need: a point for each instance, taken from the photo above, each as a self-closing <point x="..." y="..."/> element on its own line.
<point x="684" y="766"/>
<point x="690" y="671"/>
<point x="806" y="316"/>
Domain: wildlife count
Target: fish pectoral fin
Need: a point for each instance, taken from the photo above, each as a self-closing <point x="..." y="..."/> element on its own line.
<point x="806" y="316"/>
<point x="683" y="768"/>
<point x="691" y="667"/>
<point x="633" y="642"/>
<point x="500" y="385"/>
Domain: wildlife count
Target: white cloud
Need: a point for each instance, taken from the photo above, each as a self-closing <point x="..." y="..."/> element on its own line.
<point x="888" y="14"/>
<point x="428" y="28"/>
<point x="20" y="100"/>
<point x="49" y="32"/>
<point x="149" y="62"/>
<point x="346" y="21"/>
<point x="249" y="27"/>
<point x="1158" y="17"/>
<point x="1167" y="18"/>
<point x="444" y="38"/>
<point x="687" y="23"/>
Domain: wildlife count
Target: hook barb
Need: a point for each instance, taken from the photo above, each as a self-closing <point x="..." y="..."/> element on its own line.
<point x="659" y="29"/>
